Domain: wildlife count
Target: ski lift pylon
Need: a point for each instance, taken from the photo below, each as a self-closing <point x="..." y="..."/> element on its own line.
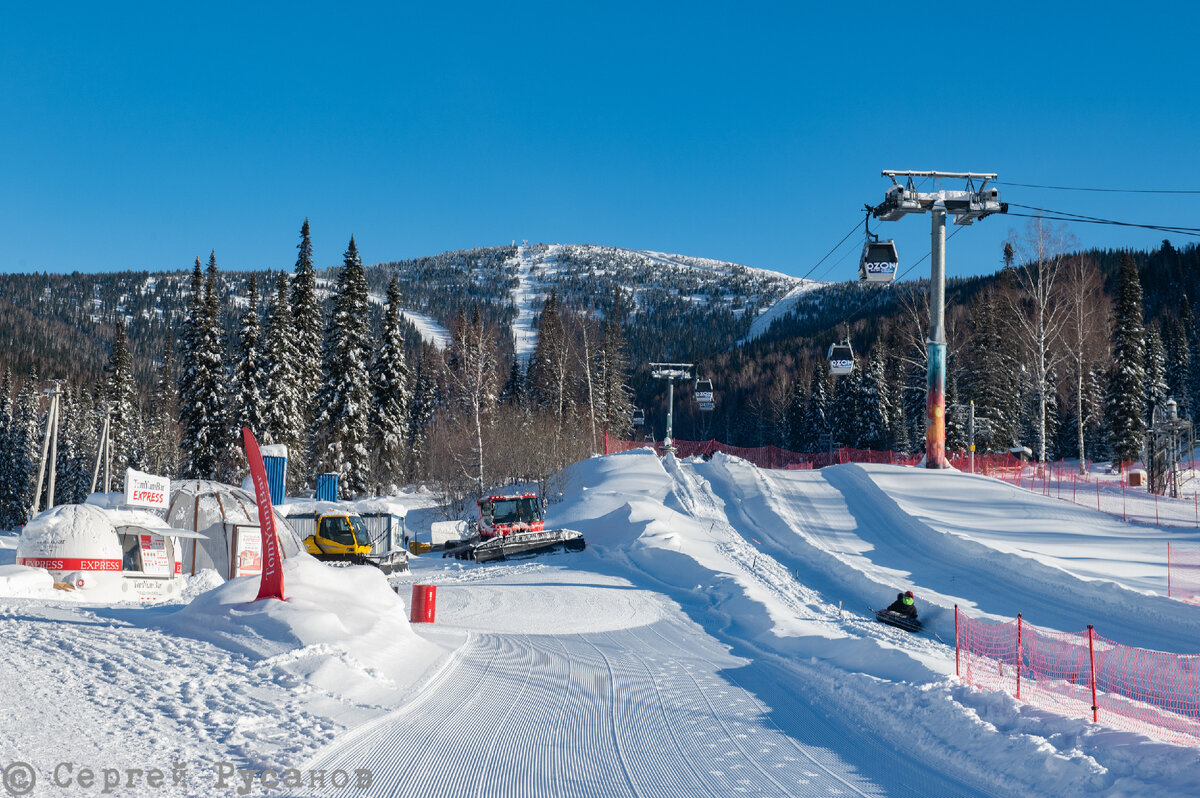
<point x="841" y="358"/>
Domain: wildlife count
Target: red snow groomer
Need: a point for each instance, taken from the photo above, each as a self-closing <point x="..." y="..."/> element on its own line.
<point x="509" y="526"/>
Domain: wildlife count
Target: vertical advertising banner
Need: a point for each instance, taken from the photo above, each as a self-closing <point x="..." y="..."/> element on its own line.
<point x="271" y="584"/>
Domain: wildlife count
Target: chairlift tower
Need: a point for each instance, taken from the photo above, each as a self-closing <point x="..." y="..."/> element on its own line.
<point x="966" y="206"/>
<point x="671" y="372"/>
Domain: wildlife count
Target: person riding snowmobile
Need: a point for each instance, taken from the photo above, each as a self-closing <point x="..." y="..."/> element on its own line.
<point x="904" y="605"/>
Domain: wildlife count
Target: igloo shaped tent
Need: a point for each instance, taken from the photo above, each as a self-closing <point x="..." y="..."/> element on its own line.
<point x="224" y="520"/>
<point x="113" y="555"/>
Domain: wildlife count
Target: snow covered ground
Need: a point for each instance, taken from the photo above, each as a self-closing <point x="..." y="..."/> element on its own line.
<point x="713" y="640"/>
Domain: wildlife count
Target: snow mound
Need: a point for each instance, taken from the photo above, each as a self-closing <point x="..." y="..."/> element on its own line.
<point x="23" y="581"/>
<point x="352" y="607"/>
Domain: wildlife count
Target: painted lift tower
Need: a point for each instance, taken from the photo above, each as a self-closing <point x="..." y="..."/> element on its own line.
<point x="966" y="206"/>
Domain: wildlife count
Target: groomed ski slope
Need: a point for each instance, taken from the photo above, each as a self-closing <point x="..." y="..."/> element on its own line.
<point x="698" y="647"/>
<point x="713" y="640"/>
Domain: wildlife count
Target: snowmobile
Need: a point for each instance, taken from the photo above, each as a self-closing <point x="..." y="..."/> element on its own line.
<point x="342" y="539"/>
<point x="512" y="526"/>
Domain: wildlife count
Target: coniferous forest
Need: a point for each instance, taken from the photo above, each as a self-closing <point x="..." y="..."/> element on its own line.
<point x="1063" y="351"/>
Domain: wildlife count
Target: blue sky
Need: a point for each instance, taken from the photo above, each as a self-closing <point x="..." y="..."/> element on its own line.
<point x="141" y="136"/>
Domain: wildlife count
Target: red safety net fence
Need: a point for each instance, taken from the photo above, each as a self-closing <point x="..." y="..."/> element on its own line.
<point x="770" y="456"/>
<point x="1183" y="574"/>
<point x="1081" y="674"/>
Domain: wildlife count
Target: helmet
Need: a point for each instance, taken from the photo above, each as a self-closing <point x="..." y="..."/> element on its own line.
<point x="909" y="594"/>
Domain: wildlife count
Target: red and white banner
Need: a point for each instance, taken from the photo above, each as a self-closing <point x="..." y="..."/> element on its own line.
<point x="271" y="584"/>
<point x="69" y="564"/>
<point x="146" y="490"/>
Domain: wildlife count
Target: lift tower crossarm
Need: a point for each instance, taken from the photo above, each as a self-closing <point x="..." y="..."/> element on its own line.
<point x="671" y="372"/>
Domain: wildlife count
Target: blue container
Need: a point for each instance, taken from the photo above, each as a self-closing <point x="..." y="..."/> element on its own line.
<point x="276" y="477"/>
<point x="327" y="487"/>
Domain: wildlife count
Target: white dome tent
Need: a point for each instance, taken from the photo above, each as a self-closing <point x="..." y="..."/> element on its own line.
<point x="224" y="520"/>
<point x="113" y="555"/>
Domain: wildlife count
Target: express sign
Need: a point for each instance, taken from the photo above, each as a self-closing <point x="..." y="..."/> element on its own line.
<point x="146" y="490"/>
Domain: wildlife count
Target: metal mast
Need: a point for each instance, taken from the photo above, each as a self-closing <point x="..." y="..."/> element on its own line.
<point x="965" y="206"/>
<point x="49" y="450"/>
<point x="671" y="372"/>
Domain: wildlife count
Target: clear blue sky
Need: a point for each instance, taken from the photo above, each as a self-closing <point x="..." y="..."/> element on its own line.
<point x="142" y="135"/>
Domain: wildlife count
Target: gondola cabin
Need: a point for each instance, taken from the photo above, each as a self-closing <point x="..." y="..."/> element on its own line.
<point x="639" y="418"/>
<point x="704" y="391"/>
<point x="841" y="358"/>
<point x="878" y="262"/>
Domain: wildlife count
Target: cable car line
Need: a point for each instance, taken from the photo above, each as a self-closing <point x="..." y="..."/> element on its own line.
<point x="830" y="252"/>
<point x="1067" y="216"/>
<point x="1105" y="190"/>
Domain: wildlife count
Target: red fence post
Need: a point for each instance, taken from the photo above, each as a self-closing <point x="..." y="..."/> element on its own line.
<point x="1092" y="658"/>
<point x="956" y="671"/>
<point x="1019" y="656"/>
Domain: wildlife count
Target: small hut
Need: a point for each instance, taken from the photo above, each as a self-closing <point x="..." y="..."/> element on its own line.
<point x="224" y="520"/>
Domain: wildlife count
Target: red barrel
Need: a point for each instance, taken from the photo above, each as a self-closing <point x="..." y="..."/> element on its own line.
<point x="424" y="601"/>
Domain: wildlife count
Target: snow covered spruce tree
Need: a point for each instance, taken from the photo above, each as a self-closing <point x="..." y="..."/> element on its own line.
<point x="341" y="430"/>
<point x="248" y="405"/>
<point x="512" y="393"/>
<point x="1179" y="363"/>
<point x="815" y="422"/>
<point x="616" y="403"/>
<point x="162" y="445"/>
<point x="425" y="399"/>
<point x="1126" y="399"/>
<point x="989" y="380"/>
<point x="876" y="409"/>
<point x="845" y="407"/>
<point x="284" y="411"/>
<point x="117" y="387"/>
<point x="75" y="454"/>
<point x="390" y="387"/>
<point x="202" y="390"/>
<point x="22" y="450"/>
<point x="1156" y="370"/>
<point x="308" y="318"/>
<point x="9" y="505"/>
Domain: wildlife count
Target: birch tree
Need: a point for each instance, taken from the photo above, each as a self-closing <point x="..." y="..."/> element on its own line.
<point x="1038" y="272"/>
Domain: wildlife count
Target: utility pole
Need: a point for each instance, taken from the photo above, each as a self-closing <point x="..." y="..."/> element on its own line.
<point x="104" y="449"/>
<point x="966" y="206"/>
<point x="49" y="450"/>
<point x="671" y="372"/>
